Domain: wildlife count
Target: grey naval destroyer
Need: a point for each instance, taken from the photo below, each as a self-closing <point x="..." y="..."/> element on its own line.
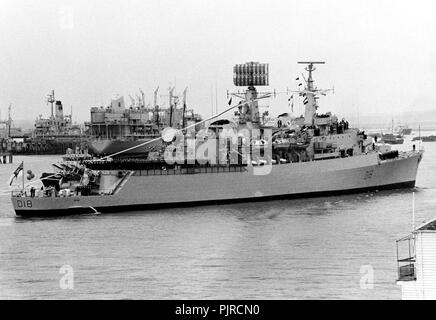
<point x="312" y="155"/>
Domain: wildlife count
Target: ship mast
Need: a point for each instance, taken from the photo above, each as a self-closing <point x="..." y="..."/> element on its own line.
<point x="51" y="100"/>
<point x="143" y="98"/>
<point x="170" y="96"/>
<point x="309" y="93"/>
<point x="184" y="107"/>
<point x="156" y="107"/>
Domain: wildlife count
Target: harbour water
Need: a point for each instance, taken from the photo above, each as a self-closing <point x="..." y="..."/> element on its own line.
<point x="316" y="248"/>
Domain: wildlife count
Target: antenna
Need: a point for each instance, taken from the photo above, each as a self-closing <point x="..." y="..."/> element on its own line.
<point x="310" y="69"/>
<point x="250" y="74"/>
<point x="310" y="93"/>
<point x="311" y="62"/>
<point x="304" y="77"/>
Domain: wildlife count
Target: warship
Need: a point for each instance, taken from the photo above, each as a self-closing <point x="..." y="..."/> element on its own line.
<point x="314" y="155"/>
<point x="117" y="129"/>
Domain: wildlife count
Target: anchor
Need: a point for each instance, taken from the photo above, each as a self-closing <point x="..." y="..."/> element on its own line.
<point x="95" y="211"/>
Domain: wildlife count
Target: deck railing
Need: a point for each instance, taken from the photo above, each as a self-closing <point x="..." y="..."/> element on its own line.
<point x="188" y="170"/>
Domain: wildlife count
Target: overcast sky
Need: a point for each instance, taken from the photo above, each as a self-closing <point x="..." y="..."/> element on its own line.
<point x="380" y="55"/>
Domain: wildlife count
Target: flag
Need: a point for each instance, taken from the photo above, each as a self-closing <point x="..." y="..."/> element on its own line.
<point x="16" y="173"/>
<point x="230" y="101"/>
<point x="291" y="99"/>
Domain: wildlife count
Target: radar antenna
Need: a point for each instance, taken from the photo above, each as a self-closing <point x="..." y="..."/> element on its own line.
<point x="310" y="68"/>
<point x="250" y="74"/>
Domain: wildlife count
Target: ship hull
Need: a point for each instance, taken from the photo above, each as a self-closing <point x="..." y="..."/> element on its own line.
<point x="128" y="148"/>
<point x="157" y="206"/>
<point x="285" y="181"/>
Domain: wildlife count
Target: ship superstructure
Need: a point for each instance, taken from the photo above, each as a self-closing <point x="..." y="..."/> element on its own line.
<point x="231" y="161"/>
<point x="58" y="125"/>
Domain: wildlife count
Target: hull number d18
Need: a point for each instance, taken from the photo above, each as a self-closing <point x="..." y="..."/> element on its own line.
<point x="24" y="203"/>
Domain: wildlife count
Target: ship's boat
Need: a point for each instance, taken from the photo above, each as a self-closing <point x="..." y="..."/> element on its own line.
<point x="321" y="156"/>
